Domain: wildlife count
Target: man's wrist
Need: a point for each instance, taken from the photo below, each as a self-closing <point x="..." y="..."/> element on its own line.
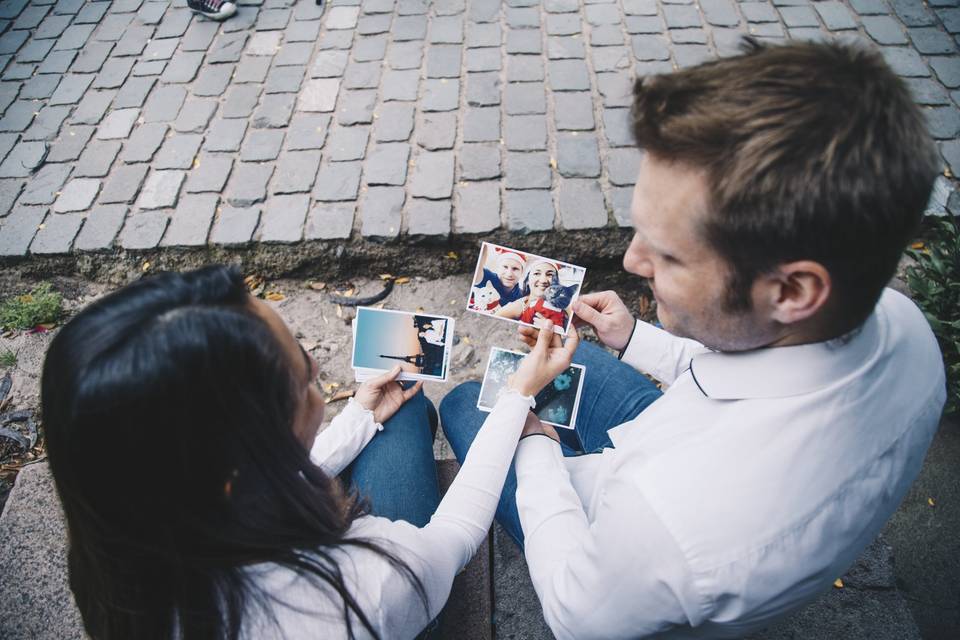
<point x="626" y="346"/>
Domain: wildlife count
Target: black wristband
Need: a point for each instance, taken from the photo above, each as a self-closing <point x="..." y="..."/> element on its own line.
<point x="538" y="434"/>
<point x="626" y="346"/>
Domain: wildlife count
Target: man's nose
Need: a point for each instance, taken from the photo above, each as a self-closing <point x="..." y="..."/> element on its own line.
<point x="637" y="259"/>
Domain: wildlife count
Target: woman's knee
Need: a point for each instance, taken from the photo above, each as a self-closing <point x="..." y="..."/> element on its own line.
<point x="456" y="410"/>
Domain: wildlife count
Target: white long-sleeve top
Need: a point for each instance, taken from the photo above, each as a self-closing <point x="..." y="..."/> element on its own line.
<point x="435" y="553"/>
<point x="740" y="494"/>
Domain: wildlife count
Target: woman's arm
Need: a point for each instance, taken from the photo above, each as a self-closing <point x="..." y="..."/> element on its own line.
<point x="339" y="444"/>
<point x="513" y="309"/>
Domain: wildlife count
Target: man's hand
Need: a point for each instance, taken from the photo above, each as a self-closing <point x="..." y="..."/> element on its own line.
<point x="549" y="358"/>
<point x="383" y="395"/>
<point x="608" y="316"/>
<point x="533" y="426"/>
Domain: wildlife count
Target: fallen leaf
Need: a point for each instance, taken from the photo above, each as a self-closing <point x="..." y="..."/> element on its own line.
<point x="146" y="266"/>
<point x="386" y="276"/>
<point x="465" y="340"/>
<point x="452" y="255"/>
<point x="349" y="293"/>
<point x="838" y="583"/>
<point x="917" y="245"/>
<point x="931" y="502"/>
<point x="553" y="163"/>
<point x="340" y="395"/>
<point x="330" y="387"/>
<point x="403" y="280"/>
<point x="275" y="296"/>
<point x="379" y="305"/>
<point x="318" y="286"/>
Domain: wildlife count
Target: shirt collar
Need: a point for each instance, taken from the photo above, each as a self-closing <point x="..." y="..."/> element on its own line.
<point x="778" y="372"/>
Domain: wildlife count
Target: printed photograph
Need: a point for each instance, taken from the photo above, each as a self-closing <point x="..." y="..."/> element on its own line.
<point x="524" y="287"/>
<point x="557" y="403"/>
<point x="419" y="343"/>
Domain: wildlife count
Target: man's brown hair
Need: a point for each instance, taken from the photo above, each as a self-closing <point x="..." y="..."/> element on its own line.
<point x="812" y="151"/>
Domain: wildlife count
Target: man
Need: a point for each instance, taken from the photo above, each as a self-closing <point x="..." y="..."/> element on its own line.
<point x="775" y="196"/>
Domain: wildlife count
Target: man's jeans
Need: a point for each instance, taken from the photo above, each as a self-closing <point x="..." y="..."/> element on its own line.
<point x="395" y="472"/>
<point x="613" y="393"/>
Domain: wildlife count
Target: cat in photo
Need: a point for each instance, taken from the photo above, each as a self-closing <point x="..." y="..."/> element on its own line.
<point x="485" y="298"/>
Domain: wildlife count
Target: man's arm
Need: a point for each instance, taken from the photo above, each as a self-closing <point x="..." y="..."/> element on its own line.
<point x="659" y="353"/>
<point x="620" y="576"/>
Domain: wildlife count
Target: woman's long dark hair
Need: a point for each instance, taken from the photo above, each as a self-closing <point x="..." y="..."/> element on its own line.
<point x="168" y="408"/>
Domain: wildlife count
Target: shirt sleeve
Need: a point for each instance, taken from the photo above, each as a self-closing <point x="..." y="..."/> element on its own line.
<point x="659" y="353"/>
<point x="342" y="441"/>
<point x="439" y="550"/>
<point x="620" y="576"/>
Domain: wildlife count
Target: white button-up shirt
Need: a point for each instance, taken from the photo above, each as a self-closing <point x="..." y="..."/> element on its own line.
<point x="739" y="495"/>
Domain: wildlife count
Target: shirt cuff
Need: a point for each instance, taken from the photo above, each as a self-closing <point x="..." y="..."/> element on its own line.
<point x="356" y="412"/>
<point x="629" y="340"/>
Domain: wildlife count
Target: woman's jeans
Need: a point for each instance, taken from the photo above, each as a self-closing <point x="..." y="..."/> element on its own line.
<point x="613" y="393"/>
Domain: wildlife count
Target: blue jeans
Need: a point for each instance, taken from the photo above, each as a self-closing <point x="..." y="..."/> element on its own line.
<point x="395" y="472"/>
<point x="613" y="393"/>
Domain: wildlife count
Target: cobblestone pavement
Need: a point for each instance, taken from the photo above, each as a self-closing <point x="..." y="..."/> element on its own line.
<point x="135" y="124"/>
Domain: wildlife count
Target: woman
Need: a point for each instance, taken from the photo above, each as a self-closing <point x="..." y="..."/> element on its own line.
<point x="532" y="308"/>
<point x="181" y="419"/>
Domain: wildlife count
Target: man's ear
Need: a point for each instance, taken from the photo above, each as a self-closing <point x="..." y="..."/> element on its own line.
<point x="797" y="291"/>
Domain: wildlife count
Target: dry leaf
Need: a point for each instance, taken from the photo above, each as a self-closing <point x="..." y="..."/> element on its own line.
<point x="386" y="276"/>
<point x="379" y="305"/>
<point x="838" y="583"/>
<point x="553" y="163"/>
<point x="349" y="292"/>
<point x="917" y="245"/>
<point x="931" y="502"/>
<point x="403" y="280"/>
<point x="340" y="395"/>
<point x="318" y="286"/>
<point x="146" y="266"/>
<point x="452" y="255"/>
<point x="275" y="296"/>
<point x="330" y="387"/>
<point x="465" y="339"/>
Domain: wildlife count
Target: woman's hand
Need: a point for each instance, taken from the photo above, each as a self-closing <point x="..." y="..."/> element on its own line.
<point x="549" y="358"/>
<point x="384" y="396"/>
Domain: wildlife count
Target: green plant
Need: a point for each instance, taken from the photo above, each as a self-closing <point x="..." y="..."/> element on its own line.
<point x="8" y="359"/>
<point x="935" y="282"/>
<point x="42" y="305"/>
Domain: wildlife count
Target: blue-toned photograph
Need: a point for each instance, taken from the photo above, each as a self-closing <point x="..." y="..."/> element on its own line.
<point x="419" y="343"/>
<point x="557" y="403"/>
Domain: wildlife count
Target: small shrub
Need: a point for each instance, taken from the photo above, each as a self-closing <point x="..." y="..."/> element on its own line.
<point x="42" y="305"/>
<point x="935" y="282"/>
<point x="8" y="359"/>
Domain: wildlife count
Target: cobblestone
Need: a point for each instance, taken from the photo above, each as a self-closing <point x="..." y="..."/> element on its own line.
<point x="464" y="101"/>
<point x="248" y="183"/>
<point x="381" y="212"/>
<point x="477" y="207"/>
<point x="235" y="225"/>
<point x="283" y="218"/>
<point x="190" y="223"/>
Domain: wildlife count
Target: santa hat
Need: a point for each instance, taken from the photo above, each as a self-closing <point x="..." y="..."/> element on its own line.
<point x="510" y="254"/>
<point x="550" y="263"/>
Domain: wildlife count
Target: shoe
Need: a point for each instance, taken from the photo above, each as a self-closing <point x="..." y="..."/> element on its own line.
<point x="213" y="9"/>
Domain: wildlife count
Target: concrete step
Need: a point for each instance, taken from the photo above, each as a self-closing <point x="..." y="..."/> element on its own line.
<point x="36" y="603"/>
